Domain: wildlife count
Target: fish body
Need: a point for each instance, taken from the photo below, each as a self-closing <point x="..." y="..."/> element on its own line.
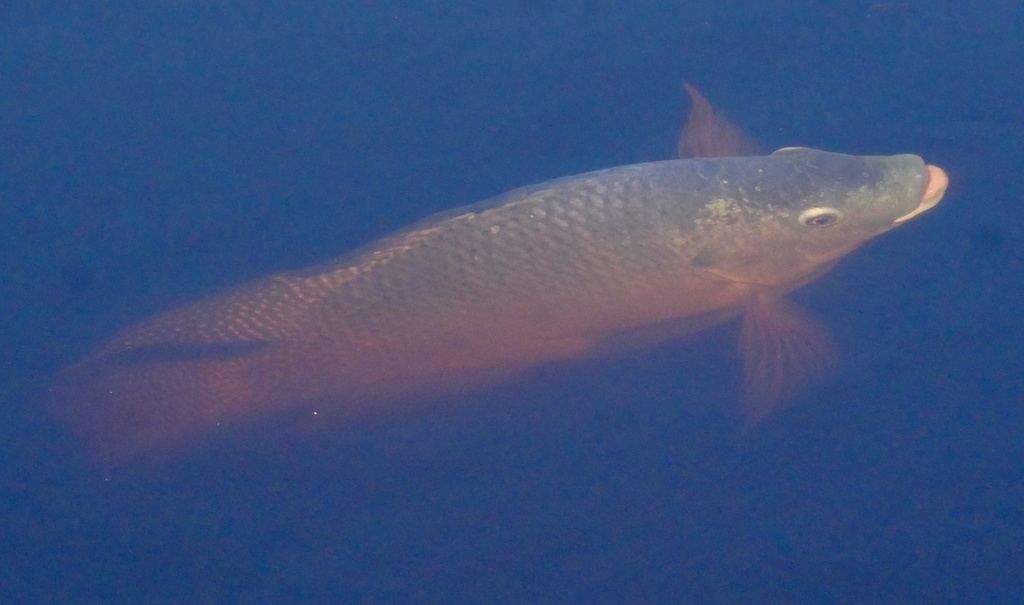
<point x="582" y="264"/>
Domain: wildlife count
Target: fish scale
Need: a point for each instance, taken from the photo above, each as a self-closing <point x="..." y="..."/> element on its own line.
<point x="599" y="261"/>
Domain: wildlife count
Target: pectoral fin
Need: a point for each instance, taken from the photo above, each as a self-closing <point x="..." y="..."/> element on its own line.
<point x="783" y="349"/>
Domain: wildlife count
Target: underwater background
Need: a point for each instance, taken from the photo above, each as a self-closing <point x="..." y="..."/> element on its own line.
<point x="154" y="153"/>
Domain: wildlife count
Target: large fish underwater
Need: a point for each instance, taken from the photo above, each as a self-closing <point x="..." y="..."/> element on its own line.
<point x="597" y="262"/>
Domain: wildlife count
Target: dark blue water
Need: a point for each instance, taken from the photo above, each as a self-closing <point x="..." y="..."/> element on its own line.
<point x="150" y="156"/>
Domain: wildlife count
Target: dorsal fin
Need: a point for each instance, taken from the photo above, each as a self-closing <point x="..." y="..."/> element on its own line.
<point x="707" y="134"/>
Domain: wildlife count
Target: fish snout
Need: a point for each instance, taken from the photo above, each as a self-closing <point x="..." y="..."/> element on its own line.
<point x="933" y="190"/>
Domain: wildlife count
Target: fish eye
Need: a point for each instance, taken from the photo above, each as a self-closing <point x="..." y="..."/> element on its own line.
<point x="819" y="217"/>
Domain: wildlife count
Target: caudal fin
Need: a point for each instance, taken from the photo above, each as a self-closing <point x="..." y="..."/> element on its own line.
<point x="122" y="408"/>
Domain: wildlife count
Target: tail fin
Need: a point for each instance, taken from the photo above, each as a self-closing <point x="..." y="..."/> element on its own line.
<point x="123" y="406"/>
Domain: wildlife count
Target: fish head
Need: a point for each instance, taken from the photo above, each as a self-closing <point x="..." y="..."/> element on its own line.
<point x="781" y="220"/>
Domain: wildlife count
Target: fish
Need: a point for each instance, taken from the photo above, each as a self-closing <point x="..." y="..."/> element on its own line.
<point x="591" y="264"/>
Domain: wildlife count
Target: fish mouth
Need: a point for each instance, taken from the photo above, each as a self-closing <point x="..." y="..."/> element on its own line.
<point x="933" y="190"/>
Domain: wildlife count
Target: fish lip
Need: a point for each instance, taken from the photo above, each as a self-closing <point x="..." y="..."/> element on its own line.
<point x="933" y="191"/>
